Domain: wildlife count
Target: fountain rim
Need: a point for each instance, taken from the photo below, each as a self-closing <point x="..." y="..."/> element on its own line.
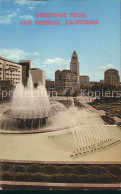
<point x="50" y="113"/>
<point x="40" y="130"/>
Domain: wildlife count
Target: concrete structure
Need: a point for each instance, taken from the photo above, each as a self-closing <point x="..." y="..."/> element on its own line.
<point x="50" y="85"/>
<point x="65" y="79"/>
<point x="10" y="70"/>
<point x="111" y="77"/>
<point x="102" y="81"/>
<point x="74" y="65"/>
<point x="5" y="83"/>
<point x="93" y="83"/>
<point x="26" y="66"/>
<point x="84" y="81"/>
<point x="38" y="75"/>
<point x="68" y="79"/>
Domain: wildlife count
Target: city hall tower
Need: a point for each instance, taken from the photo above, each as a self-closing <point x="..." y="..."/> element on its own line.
<point x="74" y="65"/>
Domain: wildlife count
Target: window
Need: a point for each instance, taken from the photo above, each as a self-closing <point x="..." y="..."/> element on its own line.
<point x="68" y="77"/>
<point x="59" y="77"/>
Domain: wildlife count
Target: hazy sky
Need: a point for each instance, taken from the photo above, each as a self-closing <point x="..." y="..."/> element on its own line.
<point x="51" y="46"/>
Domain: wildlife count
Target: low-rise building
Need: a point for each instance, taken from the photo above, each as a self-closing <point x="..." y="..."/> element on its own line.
<point x="102" y="81"/>
<point x="50" y="85"/>
<point x="93" y="83"/>
<point x="65" y="80"/>
<point x="10" y="70"/>
<point x="84" y="81"/>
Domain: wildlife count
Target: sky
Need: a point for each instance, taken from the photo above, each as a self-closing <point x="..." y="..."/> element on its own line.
<point x="50" y="46"/>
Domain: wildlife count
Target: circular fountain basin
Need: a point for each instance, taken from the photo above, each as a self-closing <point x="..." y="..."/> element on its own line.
<point x="29" y="121"/>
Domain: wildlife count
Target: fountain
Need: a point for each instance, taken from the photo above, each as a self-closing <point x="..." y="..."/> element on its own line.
<point x="30" y="108"/>
<point x="89" y="132"/>
<point x="32" y="112"/>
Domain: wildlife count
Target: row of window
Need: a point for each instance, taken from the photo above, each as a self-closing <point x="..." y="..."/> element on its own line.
<point x="13" y="74"/>
<point x="68" y="77"/>
<point x="111" y="74"/>
<point x="13" y="78"/>
<point x="115" y="78"/>
<point x="13" y="71"/>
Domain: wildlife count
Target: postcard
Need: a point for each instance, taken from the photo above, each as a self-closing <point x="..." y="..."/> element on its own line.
<point x="60" y="95"/>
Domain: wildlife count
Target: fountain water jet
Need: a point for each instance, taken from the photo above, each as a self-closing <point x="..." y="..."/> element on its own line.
<point x="90" y="134"/>
<point x="30" y="108"/>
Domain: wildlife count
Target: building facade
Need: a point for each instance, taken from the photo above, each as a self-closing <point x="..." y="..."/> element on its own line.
<point x="111" y="77"/>
<point x="84" y="81"/>
<point x="94" y="83"/>
<point x="65" y="80"/>
<point x="102" y="81"/>
<point x="10" y="70"/>
<point x="74" y="65"/>
<point x="38" y="75"/>
<point x="26" y="66"/>
<point x="50" y="85"/>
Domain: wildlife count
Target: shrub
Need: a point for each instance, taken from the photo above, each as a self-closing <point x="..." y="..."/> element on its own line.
<point x="55" y="178"/>
<point x="6" y="167"/>
<point x="81" y="169"/>
<point x="20" y="176"/>
<point x="116" y="170"/>
<point x="38" y="177"/>
<point x="49" y="169"/>
<point x="73" y="178"/>
<point x="33" y="168"/>
<point x="102" y="170"/>
<point x="64" y="170"/>
<point x="95" y="169"/>
<point x="18" y="168"/>
<point x="60" y="178"/>
<point x="7" y="176"/>
<point x="106" y="178"/>
<point x="118" y="178"/>
<point x="89" y="178"/>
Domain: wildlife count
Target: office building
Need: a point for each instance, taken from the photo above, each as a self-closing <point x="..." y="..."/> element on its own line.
<point x="26" y="66"/>
<point x="111" y="77"/>
<point x="10" y="70"/>
<point x="38" y="75"/>
<point x="65" y="79"/>
<point x="84" y="81"/>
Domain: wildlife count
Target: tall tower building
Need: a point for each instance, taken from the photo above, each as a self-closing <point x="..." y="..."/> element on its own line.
<point x="74" y="65"/>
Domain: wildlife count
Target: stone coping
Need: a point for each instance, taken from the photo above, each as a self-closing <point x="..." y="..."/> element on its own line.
<point x="43" y="130"/>
<point x="56" y="186"/>
<point x="57" y="162"/>
<point x="33" y="131"/>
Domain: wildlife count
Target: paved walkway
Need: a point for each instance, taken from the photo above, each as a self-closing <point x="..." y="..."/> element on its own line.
<point x="85" y="100"/>
<point x="56" y="186"/>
